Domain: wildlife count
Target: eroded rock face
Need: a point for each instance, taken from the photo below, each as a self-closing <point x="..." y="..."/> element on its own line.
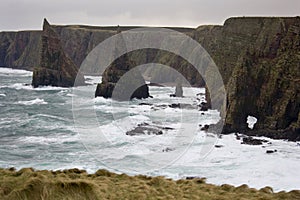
<point x="55" y="68"/>
<point x="263" y="79"/>
<point x="120" y="80"/>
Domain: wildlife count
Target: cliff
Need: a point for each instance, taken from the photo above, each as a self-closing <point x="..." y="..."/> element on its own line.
<point x="20" y="50"/>
<point x="259" y="59"/>
<point x="265" y="82"/>
<point x="55" y="67"/>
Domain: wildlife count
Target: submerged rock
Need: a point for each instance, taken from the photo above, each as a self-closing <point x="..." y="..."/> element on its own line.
<point x="271" y="151"/>
<point x="144" y="130"/>
<point x="253" y="141"/>
<point x="56" y="68"/>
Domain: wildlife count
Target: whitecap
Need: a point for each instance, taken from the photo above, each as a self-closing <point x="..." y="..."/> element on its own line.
<point x="48" y="140"/>
<point x="2" y="95"/>
<point x="36" y="101"/>
<point x="14" y="72"/>
<point x="22" y="86"/>
<point x="93" y="79"/>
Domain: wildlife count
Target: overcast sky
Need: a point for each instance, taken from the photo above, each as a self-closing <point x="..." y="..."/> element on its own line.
<point x="29" y="14"/>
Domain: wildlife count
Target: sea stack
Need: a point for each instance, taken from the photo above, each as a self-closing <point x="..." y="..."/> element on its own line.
<point x="178" y="89"/>
<point x="120" y="81"/>
<point x="55" y="68"/>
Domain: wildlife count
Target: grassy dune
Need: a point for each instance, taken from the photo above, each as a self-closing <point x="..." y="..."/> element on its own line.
<point x="77" y="184"/>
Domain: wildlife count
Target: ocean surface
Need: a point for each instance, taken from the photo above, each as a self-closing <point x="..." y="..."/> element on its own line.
<point x="58" y="128"/>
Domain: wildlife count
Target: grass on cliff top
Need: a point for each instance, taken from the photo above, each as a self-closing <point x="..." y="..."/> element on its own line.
<point x="28" y="184"/>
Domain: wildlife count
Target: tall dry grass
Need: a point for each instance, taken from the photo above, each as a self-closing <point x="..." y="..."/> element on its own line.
<point x="28" y="184"/>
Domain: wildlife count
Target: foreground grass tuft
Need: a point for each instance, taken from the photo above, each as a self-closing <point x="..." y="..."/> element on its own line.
<point x="28" y="184"/>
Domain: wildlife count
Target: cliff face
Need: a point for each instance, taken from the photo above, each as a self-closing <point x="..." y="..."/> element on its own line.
<point x="265" y="82"/>
<point x="259" y="59"/>
<point x="20" y="49"/>
<point x="56" y="68"/>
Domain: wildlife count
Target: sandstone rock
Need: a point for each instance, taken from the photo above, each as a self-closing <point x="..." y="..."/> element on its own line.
<point x="56" y="68"/>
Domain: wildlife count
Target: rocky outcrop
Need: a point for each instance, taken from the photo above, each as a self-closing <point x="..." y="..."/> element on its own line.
<point x="55" y="68"/>
<point x="112" y="86"/>
<point x="259" y="59"/>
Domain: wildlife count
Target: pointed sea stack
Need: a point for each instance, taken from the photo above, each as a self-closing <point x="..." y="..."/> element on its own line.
<point x="56" y="68"/>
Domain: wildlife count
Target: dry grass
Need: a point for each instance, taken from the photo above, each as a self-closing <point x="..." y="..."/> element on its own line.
<point x="28" y="184"/>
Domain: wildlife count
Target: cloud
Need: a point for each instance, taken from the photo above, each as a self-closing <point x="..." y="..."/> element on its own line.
<point x="21" y="14"/>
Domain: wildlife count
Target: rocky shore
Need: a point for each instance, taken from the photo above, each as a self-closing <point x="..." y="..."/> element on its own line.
<point x="258" y="58"/>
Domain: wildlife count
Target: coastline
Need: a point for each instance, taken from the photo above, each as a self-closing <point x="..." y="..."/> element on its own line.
<point x="28" y="183"/>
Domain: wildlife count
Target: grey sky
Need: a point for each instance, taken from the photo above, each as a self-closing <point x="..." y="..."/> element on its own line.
<point x="28" y="14"/>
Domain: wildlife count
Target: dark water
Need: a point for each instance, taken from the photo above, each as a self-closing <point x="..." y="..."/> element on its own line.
<point x="37" y="129"/>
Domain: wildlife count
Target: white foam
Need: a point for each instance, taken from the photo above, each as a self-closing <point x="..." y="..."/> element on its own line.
<point x="36" y="101"/>
<point x="21" y="86"/>
<point x="48" y="140"/>
<point x="93" y="79"/>
<point x="14" y="72"/>
<point x="2" y="95"/>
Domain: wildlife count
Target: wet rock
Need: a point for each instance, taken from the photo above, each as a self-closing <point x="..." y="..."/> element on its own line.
<point x="144" y="130"/>
<point x="145" y="104"/>
<point x="168" y="149"/>
<point x="219" y="146"/>
<point x="175" y="105"/>
<point x="253" y="141"/>
<point x="182" y="106"/>
<point x="204" y="106"/>
<point x="205" y="128"/>
<point x="271" y="151"/>
<point x="237" y="136"/>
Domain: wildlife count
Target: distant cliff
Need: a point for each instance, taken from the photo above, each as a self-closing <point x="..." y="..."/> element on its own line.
<point x="258" y="58"/>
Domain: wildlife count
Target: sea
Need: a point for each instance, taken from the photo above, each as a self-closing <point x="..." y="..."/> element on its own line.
<point x="58" y="128"/>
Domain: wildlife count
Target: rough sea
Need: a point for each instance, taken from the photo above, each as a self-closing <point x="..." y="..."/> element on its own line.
<point x="58" y="128"/>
